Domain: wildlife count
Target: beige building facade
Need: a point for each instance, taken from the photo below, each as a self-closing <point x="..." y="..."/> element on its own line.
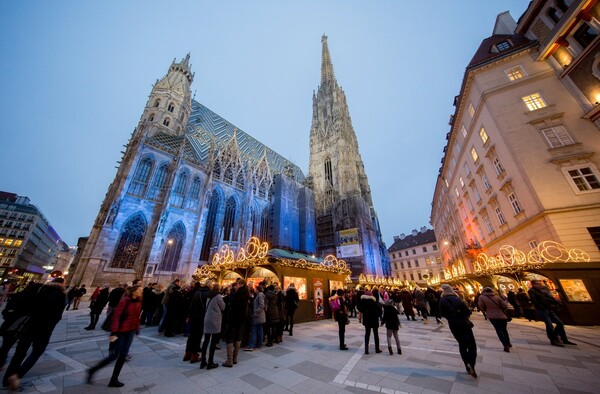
<point x="415" y="258"/>
<point x="521" y="165"/>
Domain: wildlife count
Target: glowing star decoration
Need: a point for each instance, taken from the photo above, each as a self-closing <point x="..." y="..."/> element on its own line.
<point x="510" y="259"/>
<point x="362" y="279"/>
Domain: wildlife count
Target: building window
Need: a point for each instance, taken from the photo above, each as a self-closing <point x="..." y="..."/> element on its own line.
<point x="181" y="184"/>
<point x="328" y="172"/>
<point x="414" y="251"/>
<point x="483" y="135"/>
<point x="130" y="242"/>
<point x="534" y="101"/>
<point x="446" y="182"/>
<point x="557" y="136"/>
<point x="239" y="181"/>
<point x="477" y="195"/>
<point x="229" y="220"/>
<point x="393" y="255"/>
<point x="171" y="107"/>
<point x="462" y="183"/>
<point x="515" y="73"/>
<point x="402" y="265"/>
<point x="463" y="130"/>
<point x="488" y="224"/>
<point x="434" y="247"/>
<point x="151" y="118"/>
<point x="412" y="276"/>
<point x="467" y="169"/>
<point x="416" y="263"/>
<point x="228" y="176"/>
<point x="499" y="215"/>
<point x="514" y="203"/>
<point x="456" y="191"/>
<point x="166" y="122"/>
<point x="195" y="189"/>
<point x="486" y="182"/>
<point x="474" y="155"/>
<point x="209" y="229"/>
<point x="584" y="35"/>
<point x="498" y="167"/>
<point x="471" y="110"/>
<point x="584" y="178"/>
<point x="157" y="103"/>
<point x="406" y="253"/>
<point x="174" y="244"/>
<point x="419" y="274"/>
<point x="404" y="276"/>
<point x="503" y="46"/>
<point x="595" y="234"/>
<point x="408" y="264"/>
<point x="140" y="178"/>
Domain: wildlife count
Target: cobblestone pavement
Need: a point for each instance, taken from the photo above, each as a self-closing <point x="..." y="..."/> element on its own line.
<point x="310" y="362"/>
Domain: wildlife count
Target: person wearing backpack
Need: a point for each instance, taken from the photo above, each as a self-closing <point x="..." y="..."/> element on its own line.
<point x="340" y="314"/>
<point x="125" y="324"/>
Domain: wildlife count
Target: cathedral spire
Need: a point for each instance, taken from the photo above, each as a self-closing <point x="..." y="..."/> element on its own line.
<point x="327" y="74"/>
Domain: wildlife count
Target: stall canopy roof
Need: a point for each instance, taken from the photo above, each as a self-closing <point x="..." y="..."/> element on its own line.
<point x="284" y="254"/>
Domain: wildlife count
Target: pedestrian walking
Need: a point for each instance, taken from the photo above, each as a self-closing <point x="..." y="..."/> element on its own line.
<point x="369" y="314"/>
<point x="46" y="312"/>
<point x="391" y="320"/>
<point x="457" y="312"/>
<point x="97" y="306"/>
<point x="494" y="308"/>
<point x="125" y="324"/>
<point x="548" y="308"/>
<point x="526" y="306"/>
<point x="407" y="304"/>
<point x="81" y="291"/>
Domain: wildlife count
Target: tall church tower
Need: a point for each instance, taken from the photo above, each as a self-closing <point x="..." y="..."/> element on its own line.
<point x="347" y="224"/>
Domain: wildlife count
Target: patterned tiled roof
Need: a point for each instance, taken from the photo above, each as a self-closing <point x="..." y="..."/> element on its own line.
<point x="486" y="51"/>
<point x="206" y="127"/>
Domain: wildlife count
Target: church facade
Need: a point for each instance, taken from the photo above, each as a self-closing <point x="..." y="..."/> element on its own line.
<point x="190" y="181"/>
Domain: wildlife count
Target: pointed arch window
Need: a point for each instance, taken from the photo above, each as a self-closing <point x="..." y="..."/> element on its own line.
<point x="209" y="229"/>
<point x="151" y="118"/>
<point x="166" y="122"/>
<point x="171" y="107"/>
<point x="173" y="246"/>
<point x="328" y="172"/>
<point x="194" y="194"/>
<point x="181" y="183"/>
<point x="130" y="242"/>
<point x="228" y="176"/>
<point x="140" y="178"/>
<point x="217" y="170"/>
<point x="229" y="219"/>
<point x="239" y="181"/>
<point x="157" y="102"/>
<point x="264" y="225"/>
<point x="160" y="179"/>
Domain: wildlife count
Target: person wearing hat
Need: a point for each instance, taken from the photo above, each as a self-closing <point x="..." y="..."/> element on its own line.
<point x="457" y="312"/>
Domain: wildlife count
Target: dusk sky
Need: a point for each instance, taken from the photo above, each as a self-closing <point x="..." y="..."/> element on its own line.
<point x="76" y="75"/>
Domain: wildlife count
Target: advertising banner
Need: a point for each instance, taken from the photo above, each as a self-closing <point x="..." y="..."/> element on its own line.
<point x="349" y="245"/>
<point x="318" y="300"/>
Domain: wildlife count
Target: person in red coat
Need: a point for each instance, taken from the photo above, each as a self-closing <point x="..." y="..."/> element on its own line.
<point x="125" y="324"/>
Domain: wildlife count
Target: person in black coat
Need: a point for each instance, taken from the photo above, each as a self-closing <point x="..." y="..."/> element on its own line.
<point x="97" y="307"/>
<point x="370" y="311"/>
<point x="457" y="312"/>
<point x="15" y="315"/>
<point x="175" y="310"/>
<point x="45" y="313"/>
<point x="391" y="320"/>
<point x="236" y="319"/>
<point x="196" y="315"/>
<point x="291" y="304"/>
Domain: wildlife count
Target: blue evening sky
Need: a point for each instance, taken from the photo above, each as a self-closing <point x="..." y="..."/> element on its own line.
<point x="76" y="75"/>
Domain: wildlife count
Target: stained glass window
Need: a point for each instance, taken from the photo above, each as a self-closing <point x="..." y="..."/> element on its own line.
<point x="140" y="178"/>
<point x="173" y="245"/>
<point x="229" y="219"/>
<point x="130" y="242"/>
<point x="213" y="206"/>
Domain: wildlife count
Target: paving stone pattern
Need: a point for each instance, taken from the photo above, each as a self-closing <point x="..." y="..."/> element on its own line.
<point x="310" y="362"/>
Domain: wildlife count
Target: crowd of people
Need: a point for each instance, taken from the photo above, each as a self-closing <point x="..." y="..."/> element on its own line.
<point x="247" y="316"/>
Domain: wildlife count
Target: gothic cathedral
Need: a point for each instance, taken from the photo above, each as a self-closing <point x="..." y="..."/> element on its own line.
<point x="346" y="221"/>
<point x="190" y="181"/>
